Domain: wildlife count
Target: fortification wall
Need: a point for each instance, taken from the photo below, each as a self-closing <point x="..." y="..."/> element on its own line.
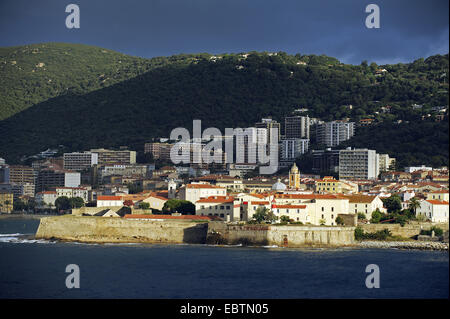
<point x="408" y="230"/>
<point x="104" y="229"/>
<point x="289" y="236"/>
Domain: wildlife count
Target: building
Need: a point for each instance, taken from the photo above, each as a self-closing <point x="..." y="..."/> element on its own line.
<point x="124" y="170"/>
<point x="438" y="195"/>
<point x="320" y="208"/>
<point x="46" y="199"/>
<point x="6" y="202"/>
<point x="386" y="163"/>
<point x="80" y="161"/>
<point x="358" y="164"/>
<point x="106" y="157"/>
<point x="159" y="151"/>
<point x="4" y="174"/>
<point x="52" y="178"/>
<point x="325" y="161"/>
<point x="155" y="201"/>
<point x="24" y="189"/>
<point x="20" y="174"/>
<point x="220" y="206"/>
<point x="332" y="186"/>
<point x="364" y="204"/>
<point x="269" y="124"/>
<point x="411" y="169"/>
<point x="334" y="133"/>
<point x="72" y="192"/>
<point x="434" y="210"/>
<point x="248" y="143"/>
<point x="291" y="148"/>
<point x="296" y="127"/>
<point x="109" y="201"/>
<point x="294" y="177"/>
<point x="194" y="192"/>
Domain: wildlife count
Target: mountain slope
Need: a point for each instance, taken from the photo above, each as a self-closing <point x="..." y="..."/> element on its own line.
<point x="35" y="73"/>
<point x="230" y="90"/>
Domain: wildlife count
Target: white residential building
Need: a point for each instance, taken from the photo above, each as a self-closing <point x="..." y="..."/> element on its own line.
<point x="334" y="133"/>
<point x="434" y="210"/>
<point x="194" y="192"/>
<point x="109" y="201"/>
<point x="291" y="148"/>
<point x="80" y="161"/>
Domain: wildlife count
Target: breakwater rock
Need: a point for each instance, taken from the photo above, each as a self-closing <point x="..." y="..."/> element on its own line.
<point x="422" y="245"/>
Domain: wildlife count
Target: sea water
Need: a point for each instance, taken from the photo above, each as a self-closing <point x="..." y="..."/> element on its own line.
<point x="31" y="268"/>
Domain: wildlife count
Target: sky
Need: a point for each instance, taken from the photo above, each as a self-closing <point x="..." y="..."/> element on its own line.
<point x="409" y="29"/>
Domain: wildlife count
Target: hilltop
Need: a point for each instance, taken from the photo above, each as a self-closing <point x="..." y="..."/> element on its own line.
<point x="101" y="98"/>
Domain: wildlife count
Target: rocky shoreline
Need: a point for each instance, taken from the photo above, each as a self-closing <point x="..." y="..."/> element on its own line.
<point x="421" y="245"/>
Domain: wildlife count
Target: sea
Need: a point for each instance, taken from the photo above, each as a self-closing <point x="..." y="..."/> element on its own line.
<point x="31" y="268"/>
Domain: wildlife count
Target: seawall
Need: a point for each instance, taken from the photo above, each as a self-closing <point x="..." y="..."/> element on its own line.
<point x="286" y="236"/>
<point x="408" y="230"/>
<point x="115" y="230"/>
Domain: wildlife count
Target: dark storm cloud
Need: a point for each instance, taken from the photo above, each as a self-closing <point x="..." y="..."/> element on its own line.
<point x="409" y="29"/>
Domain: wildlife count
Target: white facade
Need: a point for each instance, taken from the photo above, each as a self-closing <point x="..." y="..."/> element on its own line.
<point x="291" y="148"/>
<point x="334" y="133"/>
<point x="411" y="169"/>
<point x="109" y="201"/>
<point x="72" y="179"/>
<point x="434" y="210"/>
<point x="194" y="192"/>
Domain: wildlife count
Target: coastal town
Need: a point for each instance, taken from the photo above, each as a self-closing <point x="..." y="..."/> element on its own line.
<point x="362" y="188"/>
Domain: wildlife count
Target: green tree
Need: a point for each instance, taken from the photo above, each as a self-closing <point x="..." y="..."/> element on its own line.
<point x="413" y="204"/>
<point x="183" y="207"/>
<point x="285" y="219"/>
<point x="339" y="220"/>
<point x="76" y="202"/>
<point x="376" y="216"/>
<point x="361" y="216"/>
<point x="393" y="203"/>
<point x="63" y="203"/>
<point x="144" y="205"/>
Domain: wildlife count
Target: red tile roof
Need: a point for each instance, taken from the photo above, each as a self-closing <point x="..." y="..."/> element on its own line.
<point x="437" y="202"/>
<point x="109" y="198"/>
<point x="182" y="217"/>
<point x="260" y="203"/>
<point x="289" y="206"/>
<point x="202" y="186"/>
<point x="216" y="199"/>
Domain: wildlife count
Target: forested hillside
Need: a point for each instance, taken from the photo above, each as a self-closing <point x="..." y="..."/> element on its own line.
<point x="110" y="99"/>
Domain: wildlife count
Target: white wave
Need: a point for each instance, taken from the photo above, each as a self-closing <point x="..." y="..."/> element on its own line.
<point x="21" y="239"/>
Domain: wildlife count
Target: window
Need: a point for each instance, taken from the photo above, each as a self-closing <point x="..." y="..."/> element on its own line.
<point x="222" y="207"/>
<point x="323" y="209"/>
<point x="323" y="216"/>
<point x="332" y="209"/>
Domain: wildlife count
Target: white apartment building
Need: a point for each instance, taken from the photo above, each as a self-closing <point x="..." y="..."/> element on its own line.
<point x="291" y="148"/>
<point x="334" y="133"/>
<point x="386" y="162"/>
<point x="80" y="161"/>
<point x="72" y="192"/>
<point x="360" y="164"/>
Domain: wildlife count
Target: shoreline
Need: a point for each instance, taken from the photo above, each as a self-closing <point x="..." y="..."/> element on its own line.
<point x="24" y="216"/>
<point x="405" y="245"/>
